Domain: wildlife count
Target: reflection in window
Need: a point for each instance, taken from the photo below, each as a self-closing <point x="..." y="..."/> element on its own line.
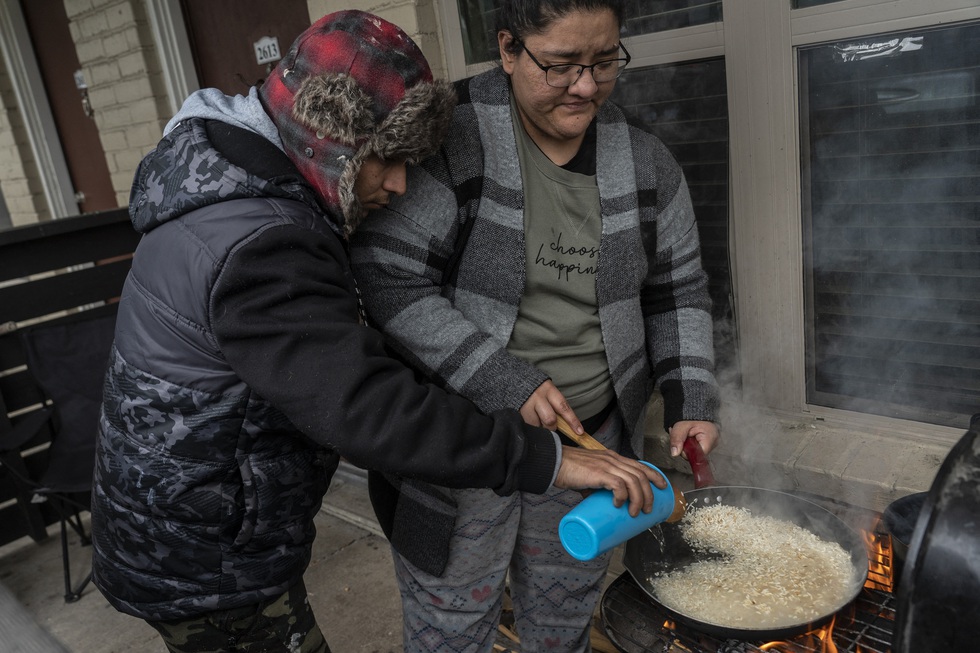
<point x="648" y="16"/>
<point x="891" y="144"/>
<point x="686" y="106"/>
<point x="477" y="22"/>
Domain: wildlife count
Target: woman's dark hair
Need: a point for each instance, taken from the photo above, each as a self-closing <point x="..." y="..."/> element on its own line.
<point x="523" y="17"/>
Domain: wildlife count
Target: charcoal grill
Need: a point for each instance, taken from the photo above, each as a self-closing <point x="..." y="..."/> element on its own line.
<point x="634" y="623"/>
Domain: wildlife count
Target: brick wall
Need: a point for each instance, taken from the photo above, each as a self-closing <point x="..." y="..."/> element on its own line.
<point x="116" y="51"/>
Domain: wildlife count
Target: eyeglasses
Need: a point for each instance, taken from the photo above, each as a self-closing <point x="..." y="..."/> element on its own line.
<point x="564" y="75"/>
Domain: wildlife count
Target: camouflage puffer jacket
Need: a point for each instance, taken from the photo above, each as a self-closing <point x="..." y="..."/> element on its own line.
<point x="240" y="366"/>
<point x="204" y="493"/>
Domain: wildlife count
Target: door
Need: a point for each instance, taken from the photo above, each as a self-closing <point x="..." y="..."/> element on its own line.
<point x="224" y="33"/>
<point x="54" y="49"/>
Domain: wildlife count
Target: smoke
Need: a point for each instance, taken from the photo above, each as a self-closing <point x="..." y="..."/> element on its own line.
<point x="893" y="241"/>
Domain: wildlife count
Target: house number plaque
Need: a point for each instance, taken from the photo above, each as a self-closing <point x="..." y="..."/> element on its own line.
<point x="267" y="50"/>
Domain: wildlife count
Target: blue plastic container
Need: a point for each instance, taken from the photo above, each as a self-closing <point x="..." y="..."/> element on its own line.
<point x="596" y="525"/>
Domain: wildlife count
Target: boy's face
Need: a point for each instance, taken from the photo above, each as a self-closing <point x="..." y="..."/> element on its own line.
<point x="377" y="180"/>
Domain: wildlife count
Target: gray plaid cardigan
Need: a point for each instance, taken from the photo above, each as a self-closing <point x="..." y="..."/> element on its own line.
<point x="652" y="292"/>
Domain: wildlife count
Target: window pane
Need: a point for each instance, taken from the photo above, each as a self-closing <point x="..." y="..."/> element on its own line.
<point x="647" y="16"/>
<point x="892" y="235"/>
<point x="477" y="21"/>
<point x="686" y="106"/>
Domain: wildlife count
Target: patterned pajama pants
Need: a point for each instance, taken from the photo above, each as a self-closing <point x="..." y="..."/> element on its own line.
<point x="554" y="595"/>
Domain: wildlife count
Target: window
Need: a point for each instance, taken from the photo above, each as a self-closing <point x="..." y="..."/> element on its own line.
<point x="686" y="106"/>
<point x="891" y="196"/>
<point x="649" y="16"/>
<point x="477" y="22"/>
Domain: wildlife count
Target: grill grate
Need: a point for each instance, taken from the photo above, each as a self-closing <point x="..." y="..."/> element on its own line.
<point x="635" y="624"/>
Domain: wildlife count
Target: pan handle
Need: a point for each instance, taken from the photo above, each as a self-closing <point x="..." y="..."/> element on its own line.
<point x="699" y="463"/>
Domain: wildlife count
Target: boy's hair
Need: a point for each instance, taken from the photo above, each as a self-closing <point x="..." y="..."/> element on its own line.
<point x="351" y="86"/>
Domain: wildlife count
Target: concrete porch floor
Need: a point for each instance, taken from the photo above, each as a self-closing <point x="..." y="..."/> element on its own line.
<point x="350" y="581"/>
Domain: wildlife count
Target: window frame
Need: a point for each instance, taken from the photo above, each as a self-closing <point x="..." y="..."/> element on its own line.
<point x="767" y="219"/>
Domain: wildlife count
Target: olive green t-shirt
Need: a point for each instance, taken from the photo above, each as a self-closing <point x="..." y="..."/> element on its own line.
<point x="557" y="326"/>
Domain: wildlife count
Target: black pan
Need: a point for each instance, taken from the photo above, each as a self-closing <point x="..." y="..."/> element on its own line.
<point x="662" y="549"/>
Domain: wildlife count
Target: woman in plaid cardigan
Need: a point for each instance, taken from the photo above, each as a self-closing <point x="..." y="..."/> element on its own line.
<point x="545" y="259"/>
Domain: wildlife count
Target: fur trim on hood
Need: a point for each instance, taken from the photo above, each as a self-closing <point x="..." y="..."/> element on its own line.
<point x="353" y="85"/>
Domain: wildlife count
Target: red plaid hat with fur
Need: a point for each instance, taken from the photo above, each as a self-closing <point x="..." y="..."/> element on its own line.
<point x="353" y="85"/>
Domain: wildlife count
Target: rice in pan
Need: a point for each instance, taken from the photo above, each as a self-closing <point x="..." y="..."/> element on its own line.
<point x="772" y="573"/>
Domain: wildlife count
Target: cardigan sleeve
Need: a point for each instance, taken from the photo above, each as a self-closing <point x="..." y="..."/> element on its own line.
<point x="676" y="304"/>
<point x="399" y="257"/>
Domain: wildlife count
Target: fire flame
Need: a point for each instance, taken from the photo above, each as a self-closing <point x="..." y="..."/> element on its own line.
<point x="817" y="640"/>
<point x="881" y="572"/>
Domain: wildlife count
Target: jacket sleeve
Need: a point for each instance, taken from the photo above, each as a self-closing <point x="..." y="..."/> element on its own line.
<point x="285" y="317"/>
<point x="400" y="256"/>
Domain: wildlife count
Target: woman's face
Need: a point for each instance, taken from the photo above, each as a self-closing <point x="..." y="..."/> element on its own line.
<point x="554" y="117"/>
